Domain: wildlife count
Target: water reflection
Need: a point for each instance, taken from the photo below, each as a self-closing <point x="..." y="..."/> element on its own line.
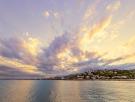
<point x="15" y="91"/>
<point x="66" y="91"/>
<point x="41" y="91"/>
<point x="94" y="91"/>
<point x="108" y="91"/>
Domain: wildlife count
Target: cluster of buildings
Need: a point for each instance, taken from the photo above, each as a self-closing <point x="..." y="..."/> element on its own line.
<point x="101" y="75"/>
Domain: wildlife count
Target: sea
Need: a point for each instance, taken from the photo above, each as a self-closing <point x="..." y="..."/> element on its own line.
<point x="66" y="91"/>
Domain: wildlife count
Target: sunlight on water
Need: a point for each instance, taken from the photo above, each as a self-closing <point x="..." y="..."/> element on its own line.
<point x="66" y="91"/>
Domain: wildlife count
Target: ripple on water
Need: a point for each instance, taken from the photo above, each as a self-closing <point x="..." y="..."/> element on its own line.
<point x="66" y="91"/>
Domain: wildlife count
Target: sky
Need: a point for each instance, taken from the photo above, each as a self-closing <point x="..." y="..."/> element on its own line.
<point x="58" y="37"/>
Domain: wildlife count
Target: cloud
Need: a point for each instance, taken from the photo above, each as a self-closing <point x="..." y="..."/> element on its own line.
<point x="58" y="45"/>
<point x="56" y="55"/>
<point x="56" y="14"/>
<point x="98" y="62"/>
<point x="124" y="57"/>
<point x="90" y="11"/>
<point x="114" y="6"/>
<point x="46" y="14"/>
<point x="23" y="48"/>
<point x="20" y="54"/>
<point x="63" y="56"/>
<point x="51" y="13"/>
<point x="18" y="65"/>
<point x="85" y="40"/>
<point x="69" y="53"/>
<point x="9" y="49"/>
<point x="131" y="42"/>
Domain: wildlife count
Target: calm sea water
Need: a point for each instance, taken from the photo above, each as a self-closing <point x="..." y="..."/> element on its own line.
<point x="66" y="91"/>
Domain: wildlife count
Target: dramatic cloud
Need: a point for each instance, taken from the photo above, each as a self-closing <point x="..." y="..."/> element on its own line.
<point x="18" y="65"/>
<point x="70" y="52"/>
<point x="63" y="56"/>
<point x="89" y="33"/>
<point x="25" y="49"/>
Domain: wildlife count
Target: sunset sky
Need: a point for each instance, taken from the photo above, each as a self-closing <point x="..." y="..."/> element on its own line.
<point x="50" y="37"/>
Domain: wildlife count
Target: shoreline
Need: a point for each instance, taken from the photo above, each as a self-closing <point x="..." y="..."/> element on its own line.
<point x="76" y="79"/>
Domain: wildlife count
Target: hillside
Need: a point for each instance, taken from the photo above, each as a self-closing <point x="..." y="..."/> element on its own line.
<point x="101" y="75"/>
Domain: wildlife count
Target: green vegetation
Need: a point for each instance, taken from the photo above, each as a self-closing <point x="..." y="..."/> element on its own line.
<point x="101" y="75"/>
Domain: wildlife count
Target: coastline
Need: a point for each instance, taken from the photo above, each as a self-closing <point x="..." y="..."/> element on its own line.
<point x="75" y="79"/>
